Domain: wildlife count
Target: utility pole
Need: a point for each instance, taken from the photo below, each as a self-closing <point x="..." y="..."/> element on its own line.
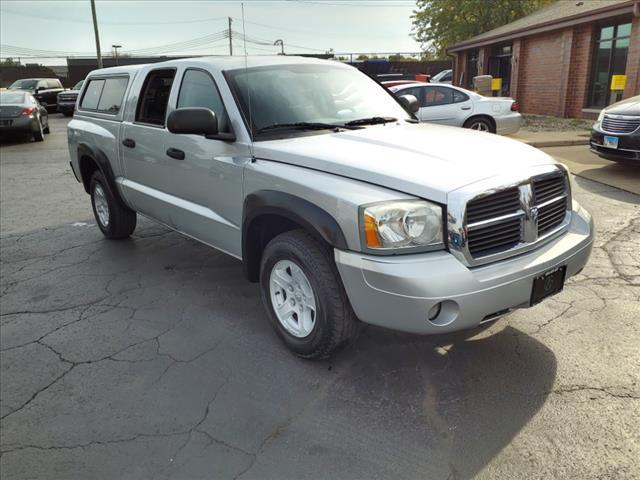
<point x="95" y="30"/>
<point x="115" y="48"/>
<point x="230" y="39"/>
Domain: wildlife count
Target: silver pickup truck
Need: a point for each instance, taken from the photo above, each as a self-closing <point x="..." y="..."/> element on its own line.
<point x="336" y="200"/>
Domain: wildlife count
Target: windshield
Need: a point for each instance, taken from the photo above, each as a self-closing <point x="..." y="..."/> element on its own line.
<point x="11" y="98"/>
<point x="24" y="85"/>
<point x="319" y="94"/>
<point x="78" y="85"/>
<point x="440" y="75"/>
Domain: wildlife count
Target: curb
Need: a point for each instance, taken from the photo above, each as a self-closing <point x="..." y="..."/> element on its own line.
<point x="556" y="143"/>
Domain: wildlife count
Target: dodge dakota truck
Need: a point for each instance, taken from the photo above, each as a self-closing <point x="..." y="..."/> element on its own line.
<point x="337" y="201"/>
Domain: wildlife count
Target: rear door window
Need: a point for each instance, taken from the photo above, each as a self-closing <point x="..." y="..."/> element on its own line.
<point x="152" y="106"/>
<point x="91" y="96"/>
<point x="438" y="96"/>
<point x="459" y="96"/>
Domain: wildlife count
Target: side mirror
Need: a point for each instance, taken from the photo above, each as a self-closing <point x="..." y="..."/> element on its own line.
<point x="409" y="102"/>
<point x="193" y="120"/>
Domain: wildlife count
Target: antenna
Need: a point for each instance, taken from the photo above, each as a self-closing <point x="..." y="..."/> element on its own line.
<point x="244" y="39"/>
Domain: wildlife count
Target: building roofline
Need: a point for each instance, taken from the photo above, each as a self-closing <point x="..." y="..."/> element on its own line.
<point x="556" y="24"/>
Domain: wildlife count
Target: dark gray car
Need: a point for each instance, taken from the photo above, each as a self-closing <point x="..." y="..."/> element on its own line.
<point x="21" y="113"/>
<point x="616" y="134"/>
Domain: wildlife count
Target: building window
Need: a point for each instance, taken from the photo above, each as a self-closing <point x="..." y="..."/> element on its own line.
<point x="500" y="66"/>
<point x="609" y="58"/>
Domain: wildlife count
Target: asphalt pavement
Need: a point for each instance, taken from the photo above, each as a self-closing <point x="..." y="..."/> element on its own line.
<point x="151" y="358"/>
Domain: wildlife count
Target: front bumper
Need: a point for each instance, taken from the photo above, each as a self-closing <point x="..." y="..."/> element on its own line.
<point x="508" y="124"/>
<point x="65" y="107"/>
<point x="628" y="145"/>
<point x="398" y="292"/>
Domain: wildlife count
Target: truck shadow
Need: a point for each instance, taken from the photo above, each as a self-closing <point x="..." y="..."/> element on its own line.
<point x="458" y="400"/>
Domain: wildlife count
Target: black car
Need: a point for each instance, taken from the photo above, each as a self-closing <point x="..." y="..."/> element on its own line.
<point x="20" y="113"/>
<point x="67" y="99"/>
<point x="616" y="134"/>
<point x="44" y="89"/>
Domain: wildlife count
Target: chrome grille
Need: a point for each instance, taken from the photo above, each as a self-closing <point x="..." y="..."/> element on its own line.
<point x="494" y="222"/>
<point x="512" y="219"/>
<point x="550" y="197"/>
<point x="620" y="124"/>
<point x="68" y="98"/>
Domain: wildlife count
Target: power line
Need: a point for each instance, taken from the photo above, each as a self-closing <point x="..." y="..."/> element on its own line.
<point x="334" y="3"/>
<point x="116" y="22"/>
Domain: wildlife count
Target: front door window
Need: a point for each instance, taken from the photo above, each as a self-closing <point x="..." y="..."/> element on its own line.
<point x="610" y="58"/>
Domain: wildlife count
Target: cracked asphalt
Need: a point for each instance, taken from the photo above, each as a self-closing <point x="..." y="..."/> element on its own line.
<point x="151" y="358"/>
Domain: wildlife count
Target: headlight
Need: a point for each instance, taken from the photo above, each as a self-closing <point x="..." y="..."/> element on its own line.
<point x="402" y="224"/>
<point x="601" y="116"/>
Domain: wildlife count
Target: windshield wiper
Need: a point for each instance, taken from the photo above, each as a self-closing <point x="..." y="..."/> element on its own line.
<point x="300" y="126"/>
<point x="370" y="121"/>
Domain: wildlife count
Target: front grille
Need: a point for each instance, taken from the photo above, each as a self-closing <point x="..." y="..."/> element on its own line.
<point x="494" y="238"/>
<point x="550" y="196"/>
<point x="620" y="124"/>
<point x="494" y="222"/>
<point x="516" y="217"/>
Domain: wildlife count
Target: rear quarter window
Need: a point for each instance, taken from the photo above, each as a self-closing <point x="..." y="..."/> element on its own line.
<point x="104" y="95"/>
<point x="91" y="96"/>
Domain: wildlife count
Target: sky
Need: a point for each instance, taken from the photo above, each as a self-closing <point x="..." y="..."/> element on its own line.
<point x="64" y="27"/>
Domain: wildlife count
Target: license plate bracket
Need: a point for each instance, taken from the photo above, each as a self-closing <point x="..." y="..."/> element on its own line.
<point x="610" y="142"/>
<point x="548" y="284"/>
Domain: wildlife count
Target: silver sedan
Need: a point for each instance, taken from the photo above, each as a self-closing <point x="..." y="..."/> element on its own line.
<point x="450" y="105"/>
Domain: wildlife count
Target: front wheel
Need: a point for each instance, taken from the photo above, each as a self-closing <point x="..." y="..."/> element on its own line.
<point x="115" y="220"/>
<point x="480" y="124"/>
<point x="304" y="297"/>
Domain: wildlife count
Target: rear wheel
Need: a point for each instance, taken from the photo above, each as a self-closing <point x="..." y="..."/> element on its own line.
<point x="480" y="124"/>
<point x="115" y="220"/>
<point x="38" y="135"/>
<point x="304" y="297"/>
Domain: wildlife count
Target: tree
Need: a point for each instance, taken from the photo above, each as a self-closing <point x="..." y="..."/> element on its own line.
<point x="439" y="24"/>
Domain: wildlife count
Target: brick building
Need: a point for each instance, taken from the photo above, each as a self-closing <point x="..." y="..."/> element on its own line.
<point x="559" y="60"/>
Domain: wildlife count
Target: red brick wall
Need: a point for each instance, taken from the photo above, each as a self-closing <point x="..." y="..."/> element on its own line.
<point x="633" y="61"/>
<point x="580" y="70"/>
<point x="540" y="75"/>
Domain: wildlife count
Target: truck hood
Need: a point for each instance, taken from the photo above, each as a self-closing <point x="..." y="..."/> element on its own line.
<point x="425" y="160"/>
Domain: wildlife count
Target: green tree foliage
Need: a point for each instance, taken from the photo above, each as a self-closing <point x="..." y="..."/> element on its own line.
<point x="439" y="24"/>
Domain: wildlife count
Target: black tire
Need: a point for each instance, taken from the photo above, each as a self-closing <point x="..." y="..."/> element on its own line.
<point x="121" y="220"/>
<point x="480" y="123"/>
<point x="46" y="129"/>
<point x="67" y="114"/>
<point x="335" y="322"/>
<point x="38" y="135"/>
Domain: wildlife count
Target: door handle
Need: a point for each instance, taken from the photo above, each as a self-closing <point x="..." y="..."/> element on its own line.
<point x="175" y="153"/>
<point x="127" y="142"/>
<point x="465" y="108"/>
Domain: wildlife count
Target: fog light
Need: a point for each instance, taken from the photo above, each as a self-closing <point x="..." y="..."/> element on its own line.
<point x="434" y="311"/>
